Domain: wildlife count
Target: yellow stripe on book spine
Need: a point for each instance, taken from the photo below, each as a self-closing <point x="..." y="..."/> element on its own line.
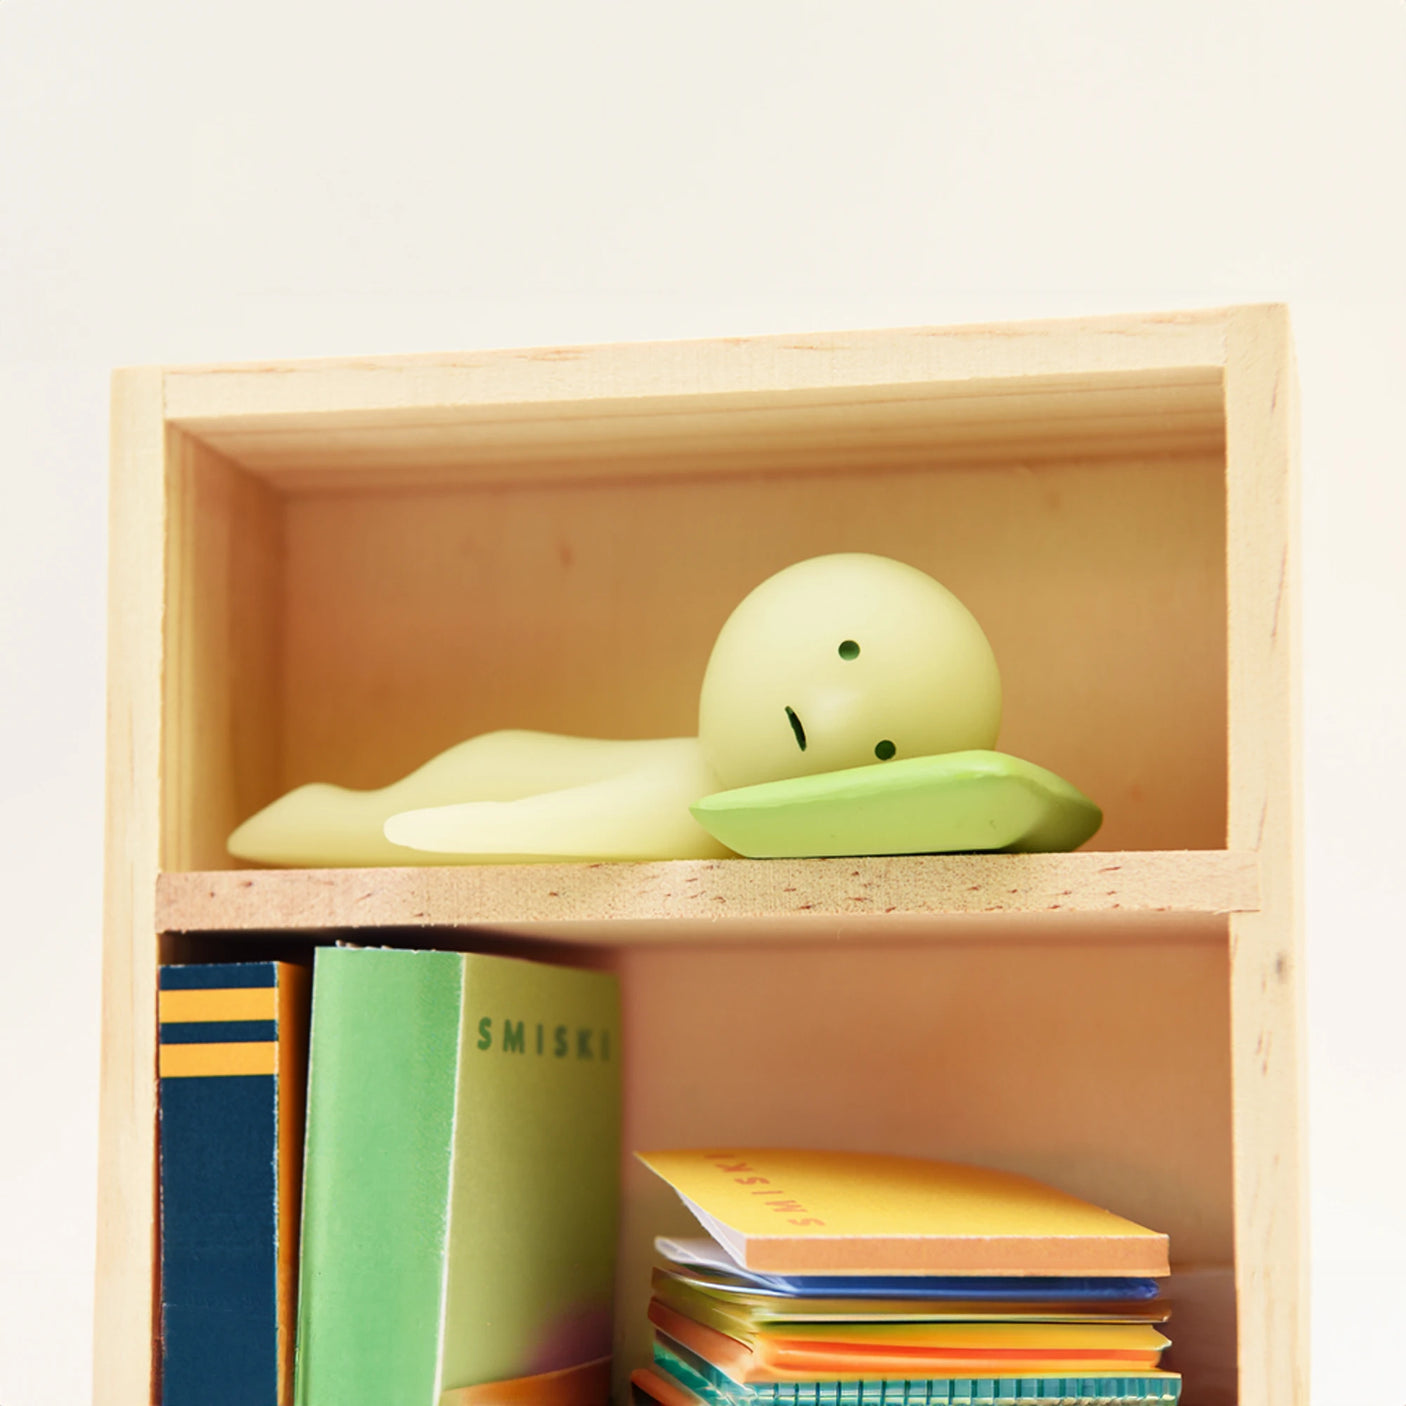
<point x="199" y="1061"/>
<point x="246" y="1003"/>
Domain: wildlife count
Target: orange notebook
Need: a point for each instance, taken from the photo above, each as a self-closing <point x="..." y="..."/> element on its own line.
<point x="649" y="1385"/>
<point x="786" y="1211"/>
<point x="935" y="1350"/>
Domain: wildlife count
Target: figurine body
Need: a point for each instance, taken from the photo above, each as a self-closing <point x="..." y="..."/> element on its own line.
<point x="836" y="662"/>
<point x="534" y="795"/>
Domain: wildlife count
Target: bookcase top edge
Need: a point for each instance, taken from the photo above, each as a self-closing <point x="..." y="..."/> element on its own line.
<point x="1214" y="317"/>
<point x="1156" y="342"/>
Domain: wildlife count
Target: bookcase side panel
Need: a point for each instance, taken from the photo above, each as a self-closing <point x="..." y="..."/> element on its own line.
<point x="126" y="1324"/>
<point x="223" y="627"/>
<point x="1266" y="989"/>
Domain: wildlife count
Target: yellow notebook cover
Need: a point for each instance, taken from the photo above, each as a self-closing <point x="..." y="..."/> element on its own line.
<point x="799" y="1212"/>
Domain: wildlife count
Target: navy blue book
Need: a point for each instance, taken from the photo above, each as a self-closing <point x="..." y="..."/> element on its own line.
<point x="233" y="1051"/>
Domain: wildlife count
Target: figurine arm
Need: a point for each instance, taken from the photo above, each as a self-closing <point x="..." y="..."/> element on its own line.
<point x="640" y="814"/>
<point x="512" y="763"/>
<point x="323" y="825"/>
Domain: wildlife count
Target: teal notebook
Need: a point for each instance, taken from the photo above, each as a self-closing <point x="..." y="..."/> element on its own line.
<point x="715" y="1388"/>
<point x="461" y="1179"/>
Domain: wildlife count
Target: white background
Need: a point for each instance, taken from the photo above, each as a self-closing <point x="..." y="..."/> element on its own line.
<point x="185" y="182"/>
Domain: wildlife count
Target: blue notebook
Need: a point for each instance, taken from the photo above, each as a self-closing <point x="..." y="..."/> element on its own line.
<point x="233" y="1040"/>
<point x="716" y="1267"/>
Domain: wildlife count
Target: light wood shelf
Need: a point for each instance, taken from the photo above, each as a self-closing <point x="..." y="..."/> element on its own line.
<point x="331" y="571"/>
<point x="689" y="900"/>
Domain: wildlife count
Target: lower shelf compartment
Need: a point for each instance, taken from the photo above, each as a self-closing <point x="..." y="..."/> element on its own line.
<point x="1095" y="1056"/>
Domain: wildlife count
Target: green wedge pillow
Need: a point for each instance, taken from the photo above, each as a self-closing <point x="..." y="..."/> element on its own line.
<point x="945" y="804"/>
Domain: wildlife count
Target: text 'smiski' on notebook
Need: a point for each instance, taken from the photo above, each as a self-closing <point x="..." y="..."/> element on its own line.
<point x="792" y="1212"/>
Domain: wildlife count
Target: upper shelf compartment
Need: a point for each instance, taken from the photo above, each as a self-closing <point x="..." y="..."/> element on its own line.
<point x="367" y="562"/>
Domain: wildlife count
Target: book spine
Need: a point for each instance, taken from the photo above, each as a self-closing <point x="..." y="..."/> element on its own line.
<point x="230" y="1140"/>
<point x="382" y="1078"/>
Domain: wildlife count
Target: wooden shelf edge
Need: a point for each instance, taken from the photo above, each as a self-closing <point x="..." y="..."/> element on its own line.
<point x="672" y="899"/>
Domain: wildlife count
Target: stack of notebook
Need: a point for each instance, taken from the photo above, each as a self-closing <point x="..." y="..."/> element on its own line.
<point x="830" y="1278"/>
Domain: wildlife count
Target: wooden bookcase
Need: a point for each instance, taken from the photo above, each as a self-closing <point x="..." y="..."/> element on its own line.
<point x="332" y="570"/>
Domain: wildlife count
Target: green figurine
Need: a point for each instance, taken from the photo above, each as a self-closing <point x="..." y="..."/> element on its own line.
<point x="848" y="707"/>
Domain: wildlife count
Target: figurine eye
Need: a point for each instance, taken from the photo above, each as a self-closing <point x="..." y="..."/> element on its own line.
<point x="849" y="650"/>
<point x="885" y="750"/>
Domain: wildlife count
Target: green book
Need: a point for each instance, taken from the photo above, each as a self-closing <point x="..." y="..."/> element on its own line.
<point x="461" y="1179"/>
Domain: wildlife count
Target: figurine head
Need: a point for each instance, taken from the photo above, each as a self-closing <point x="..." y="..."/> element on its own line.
<point x="841" y="661"/>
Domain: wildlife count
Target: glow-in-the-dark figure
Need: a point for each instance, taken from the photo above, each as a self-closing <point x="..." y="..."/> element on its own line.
<point x="835" y="663"/>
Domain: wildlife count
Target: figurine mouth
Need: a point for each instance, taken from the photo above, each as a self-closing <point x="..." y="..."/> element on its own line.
<point x="796" y="728"/>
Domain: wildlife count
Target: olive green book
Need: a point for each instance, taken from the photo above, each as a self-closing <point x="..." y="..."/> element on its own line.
<point x="461" y="1180"/>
